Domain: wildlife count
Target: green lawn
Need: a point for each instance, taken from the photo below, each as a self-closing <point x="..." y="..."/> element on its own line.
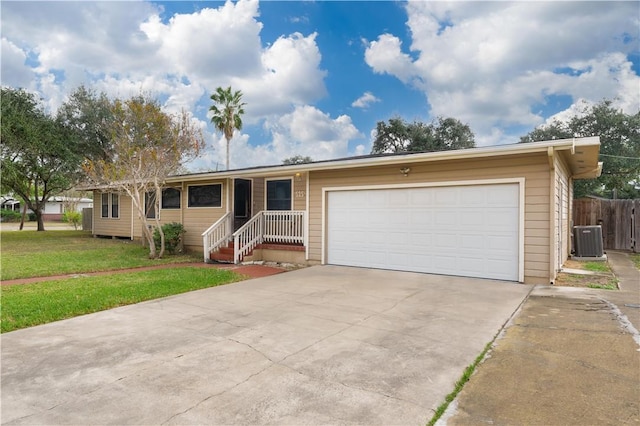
<point x="636" y="259"/>
<point x="25" y="254"/>
<point x="40" y="303"/>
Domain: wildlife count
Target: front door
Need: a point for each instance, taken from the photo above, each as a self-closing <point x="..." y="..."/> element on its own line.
<point x="241" y="202"/>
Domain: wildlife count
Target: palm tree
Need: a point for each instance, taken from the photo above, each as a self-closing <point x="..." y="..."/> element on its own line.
<point x="227" y="111"/>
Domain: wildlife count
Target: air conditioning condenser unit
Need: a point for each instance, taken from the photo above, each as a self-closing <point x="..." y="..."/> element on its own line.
<point x="587" y="241"/>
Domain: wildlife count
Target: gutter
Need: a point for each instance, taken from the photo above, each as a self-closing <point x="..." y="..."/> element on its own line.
<point x="399" y="159"/>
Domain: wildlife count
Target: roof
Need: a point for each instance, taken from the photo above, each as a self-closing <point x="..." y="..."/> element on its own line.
<point x="581" y="155"/>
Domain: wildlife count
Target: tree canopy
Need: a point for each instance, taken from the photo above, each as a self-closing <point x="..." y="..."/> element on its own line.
<point x="619" y="148"/>
<point x="442" y="134"/>
<point x="88" y="116"/>
<point x="227" y="110"/>
<point x="146" y="146"/>
<point x="38" y="155"/>
<point x="296" y="159"/>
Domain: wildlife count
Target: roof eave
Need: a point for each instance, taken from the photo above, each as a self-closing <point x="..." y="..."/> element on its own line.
<point x="482" y="152"/>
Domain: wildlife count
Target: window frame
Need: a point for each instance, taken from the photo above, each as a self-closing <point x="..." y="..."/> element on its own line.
<point x="162" y="204"/>
<point x="115" y="207"/>
<point x="109" y="206"/>
<point x="189" y="206"/>
<point x="148" y="210"/>
<point x="105" y="207"/>
<point x="266" y="192"/>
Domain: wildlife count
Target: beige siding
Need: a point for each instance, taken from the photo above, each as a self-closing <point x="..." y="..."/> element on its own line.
<point x="534" y="168"/>
<point x="258" y="195"/>
<point x="112" y="227"/>
<point x="300" y="192"/>
<point x="562" y="204"/>
<point x="198" y="219"/>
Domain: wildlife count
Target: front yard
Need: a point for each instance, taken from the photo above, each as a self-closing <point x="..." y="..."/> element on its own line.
<point x="26" y="254"/>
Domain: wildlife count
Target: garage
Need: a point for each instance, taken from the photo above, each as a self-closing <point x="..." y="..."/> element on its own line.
<point x="470" y="230"/>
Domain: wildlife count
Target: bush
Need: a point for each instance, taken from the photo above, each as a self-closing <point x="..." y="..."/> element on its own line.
<point x="172" y="237"/>
<point x="9" y="215"/>
<point x="72" y="217"/>
<point x="31" y="216"/>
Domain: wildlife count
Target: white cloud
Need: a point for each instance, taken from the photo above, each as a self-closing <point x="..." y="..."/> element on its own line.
<point x="365" y="100"/>
<point x="209" y="45"/>
<point x="489" y="63"/>
<point x="305" y="131"/>
<point x="13" y="69"/>
<point x="125" y="48"/>
<point x="385" y="56"/>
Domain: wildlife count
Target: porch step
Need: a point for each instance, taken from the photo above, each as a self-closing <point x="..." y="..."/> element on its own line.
<point x="225" y="254"/>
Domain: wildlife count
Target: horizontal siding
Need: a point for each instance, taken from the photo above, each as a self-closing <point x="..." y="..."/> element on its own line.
<point x="196" y="220"/>
<point x="120" y="227"/>
<point x="534" y="168"/>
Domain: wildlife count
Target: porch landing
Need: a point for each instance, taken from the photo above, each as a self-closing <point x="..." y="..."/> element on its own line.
<point x="225" y="254"/>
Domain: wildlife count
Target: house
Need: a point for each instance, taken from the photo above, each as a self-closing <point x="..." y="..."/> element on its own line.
<point x="500" y="212"/>
<point x="54" y="208"/>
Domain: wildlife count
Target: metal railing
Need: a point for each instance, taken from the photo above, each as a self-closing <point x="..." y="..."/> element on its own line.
<point x="217" y="235"/>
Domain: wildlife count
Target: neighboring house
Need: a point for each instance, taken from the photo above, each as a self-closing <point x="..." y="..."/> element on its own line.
<point x="9" y="203"/>
<point x="500" y="212"/>
<point x="54" y="208"/>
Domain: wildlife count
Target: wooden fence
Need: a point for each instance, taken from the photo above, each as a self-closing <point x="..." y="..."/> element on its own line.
<point x="87" y="219"/>
<point x="620" y="220"/>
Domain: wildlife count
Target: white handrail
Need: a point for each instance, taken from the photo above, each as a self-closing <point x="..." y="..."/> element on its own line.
<point x="273" y="226"/>
<point x="286" y="226"/>
<point x="247" y="237"/>
<point x="217" y="235"/>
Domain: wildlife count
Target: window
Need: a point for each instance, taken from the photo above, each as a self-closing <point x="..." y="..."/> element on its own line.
<point x="170" y="198"/>
<point x="279" y="194"/>
<point x="205" y="195"/>
<point x="109" y="203"/>
<point x="105" y="205"/>
<point x="150" y="205"/>
<point x="115" y="207"/>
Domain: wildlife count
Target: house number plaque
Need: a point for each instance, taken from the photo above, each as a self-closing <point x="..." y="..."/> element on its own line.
<point x="300" y="194"/>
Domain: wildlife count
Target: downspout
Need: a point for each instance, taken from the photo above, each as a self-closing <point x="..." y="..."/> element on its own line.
<point x="132" y="218"/>
<point x="228" y="195"/>
<point x="306" y="215"/>
<point x="182" y="204"/>
<point x="552" y="213"/>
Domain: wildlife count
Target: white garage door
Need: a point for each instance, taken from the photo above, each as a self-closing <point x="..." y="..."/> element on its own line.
<point x="453" y="230"/>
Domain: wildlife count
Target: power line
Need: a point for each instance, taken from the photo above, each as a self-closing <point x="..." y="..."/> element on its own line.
<point x="620" y="156"/>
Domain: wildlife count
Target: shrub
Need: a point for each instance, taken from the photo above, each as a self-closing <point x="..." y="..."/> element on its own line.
<point x="72" y="217"/>
<point x="172" y="237"/>
<point x="9" y="215"/>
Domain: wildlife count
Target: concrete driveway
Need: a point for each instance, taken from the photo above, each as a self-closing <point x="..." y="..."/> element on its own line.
<point x="320" y="345"/>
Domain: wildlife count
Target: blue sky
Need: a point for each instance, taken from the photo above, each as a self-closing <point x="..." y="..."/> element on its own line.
<point x="318" y="75"/>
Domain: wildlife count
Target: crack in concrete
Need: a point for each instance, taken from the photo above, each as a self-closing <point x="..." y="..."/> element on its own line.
<point x="625" y="324"/>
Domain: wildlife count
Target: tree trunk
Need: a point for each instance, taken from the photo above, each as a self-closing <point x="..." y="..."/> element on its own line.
<point x="40" y="220"/>
<point x="24" y="214"/>
<point x="148" y="235"/>
<point x="228" y="153"/>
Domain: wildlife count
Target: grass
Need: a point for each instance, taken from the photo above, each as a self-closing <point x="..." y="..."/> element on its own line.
<point x="25" y="254"/>
<point x="611" y="285"/>
<point x="466" y="375"/>
<point x="635" y="258"/>
<point x="40" y="303"/>
<point x="597" y="266"/>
